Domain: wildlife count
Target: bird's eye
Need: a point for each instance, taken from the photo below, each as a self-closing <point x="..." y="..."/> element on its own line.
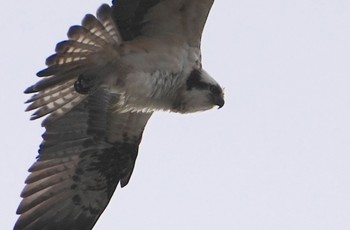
<point x="213" y="89"/>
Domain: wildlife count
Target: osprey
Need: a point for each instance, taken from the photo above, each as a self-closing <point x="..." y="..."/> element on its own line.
<point x="98" y="91"/>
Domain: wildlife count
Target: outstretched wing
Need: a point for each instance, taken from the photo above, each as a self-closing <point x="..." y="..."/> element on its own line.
<point x="87" y="147"/>
<point x="82" y="158"/>
<point x="166" y="19"/>
<point x="80" y="63"/>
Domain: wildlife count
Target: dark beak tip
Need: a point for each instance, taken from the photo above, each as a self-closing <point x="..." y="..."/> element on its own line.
<point x="220" y="103"/>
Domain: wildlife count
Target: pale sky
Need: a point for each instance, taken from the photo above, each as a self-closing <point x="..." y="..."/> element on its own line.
<point x="276" y="157"/>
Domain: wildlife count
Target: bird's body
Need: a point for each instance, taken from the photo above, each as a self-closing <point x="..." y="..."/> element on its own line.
<point x="153" y="86"/>
<point x="98" y="92"/>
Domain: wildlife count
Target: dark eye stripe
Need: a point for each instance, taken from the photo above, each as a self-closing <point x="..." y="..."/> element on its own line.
<point x="194" y="81"/>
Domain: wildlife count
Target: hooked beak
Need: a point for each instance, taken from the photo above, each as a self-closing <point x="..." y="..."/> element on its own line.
<point x="219" y="101"/>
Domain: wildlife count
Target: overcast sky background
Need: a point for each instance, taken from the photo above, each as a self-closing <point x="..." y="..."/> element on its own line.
<point x="275" y="157"/>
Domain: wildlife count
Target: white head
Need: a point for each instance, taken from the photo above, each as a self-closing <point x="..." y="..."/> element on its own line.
<point x="200" y="92"/>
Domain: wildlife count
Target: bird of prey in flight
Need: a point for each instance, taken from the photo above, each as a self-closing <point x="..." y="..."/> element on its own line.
<point x="97" y="93"/>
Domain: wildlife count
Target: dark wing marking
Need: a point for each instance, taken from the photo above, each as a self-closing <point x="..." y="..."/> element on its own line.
<point x="129" y="16"/>
<point x="184" y="18"/>
<point x="83" y="156"/>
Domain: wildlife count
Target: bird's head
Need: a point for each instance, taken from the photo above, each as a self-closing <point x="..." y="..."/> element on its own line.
<point x="200" y="92"/>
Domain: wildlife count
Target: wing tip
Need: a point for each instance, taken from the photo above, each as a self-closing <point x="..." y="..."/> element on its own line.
<point x="43" y="73"/>
<point x="74" y="32"/>
<point x="103" y="11"/>
<point x="89" y="18"/>
<point x="30" y="89"/>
